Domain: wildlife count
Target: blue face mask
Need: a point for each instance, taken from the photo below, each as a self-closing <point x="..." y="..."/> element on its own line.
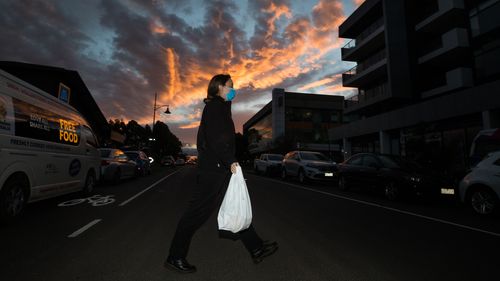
<point x="230" y="96"/>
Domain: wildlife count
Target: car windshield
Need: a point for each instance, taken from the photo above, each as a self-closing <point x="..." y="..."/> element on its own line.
<point x="275" y="157"/>
<point x="399" y="163"/>
<point x="313" y="156"/>
<point x="105" y="153"/>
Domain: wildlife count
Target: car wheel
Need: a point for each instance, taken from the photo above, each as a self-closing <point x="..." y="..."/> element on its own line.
<point x="283" y="174"/>
<point x="302" y="176"/>
<point x="256" y="169"/>
<point x="89" y="183"/>
<point x="116" y="177"/>
<point x="342" y="183"/>
<point x="483" y="201"/>
<point x="391" y="191"/>
<point x="13" y="198"/>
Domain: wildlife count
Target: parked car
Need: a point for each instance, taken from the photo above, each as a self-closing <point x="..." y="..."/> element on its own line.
<point x="307" y="165"/>
<point x="395" y="175"/>
<point x="268" y="163"/>
<point x="142" y="160"/>
<point x="168" y="161"/>
<point x="180" y="162"/>
<point x="485" y="142"/>
<point x="115" y="165"/>
<point x="481" y="187"/>
<point x="47" y="148"/>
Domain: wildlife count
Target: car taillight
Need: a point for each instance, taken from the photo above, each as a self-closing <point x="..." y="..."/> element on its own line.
<point x="105" y="162"/>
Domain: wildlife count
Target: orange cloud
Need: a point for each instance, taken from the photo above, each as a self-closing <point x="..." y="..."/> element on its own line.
<point x="157" y="27"/>
<point x="358" y="2"/>
<point x="194" y="124"/>
<point x="317" y="84"/>
<point x="298" y="48"/>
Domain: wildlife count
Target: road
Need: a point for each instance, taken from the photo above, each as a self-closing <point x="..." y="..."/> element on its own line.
<point x="324" y="234"/>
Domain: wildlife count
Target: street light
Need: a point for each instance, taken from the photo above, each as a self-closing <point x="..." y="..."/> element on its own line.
<point x="156" y="107"/>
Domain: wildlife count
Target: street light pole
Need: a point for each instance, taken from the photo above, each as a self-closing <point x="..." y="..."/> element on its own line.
<point x="154" y="116"/>
<point x="156" y="107"/>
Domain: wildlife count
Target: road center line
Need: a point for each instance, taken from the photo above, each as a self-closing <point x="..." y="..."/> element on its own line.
<point x="391" y="209"/>
<point x="151" y="186"/>
<point x="81" y="230"/>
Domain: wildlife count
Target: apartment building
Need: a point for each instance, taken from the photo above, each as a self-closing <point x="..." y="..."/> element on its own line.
<point x="428" y="78"/>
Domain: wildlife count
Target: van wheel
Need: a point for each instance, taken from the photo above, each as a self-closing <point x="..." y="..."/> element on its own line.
<point x="89" y="183"/>
<point x="116" y="177"/>
<point x="13" y="198"/>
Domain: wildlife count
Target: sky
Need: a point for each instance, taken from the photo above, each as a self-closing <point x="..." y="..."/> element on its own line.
<point x="126" y="51"/>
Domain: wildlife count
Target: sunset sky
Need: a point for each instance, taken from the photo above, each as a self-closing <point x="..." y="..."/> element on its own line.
<point x="127" y="50"/>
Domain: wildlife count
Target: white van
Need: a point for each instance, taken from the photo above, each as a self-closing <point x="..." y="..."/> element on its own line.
<point x="46" y="147"/>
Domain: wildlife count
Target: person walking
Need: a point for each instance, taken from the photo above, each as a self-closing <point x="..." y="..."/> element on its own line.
<point x="216" y="162"/>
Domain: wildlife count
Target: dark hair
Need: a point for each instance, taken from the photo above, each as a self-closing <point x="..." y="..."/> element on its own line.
<point x="215" y="82"/>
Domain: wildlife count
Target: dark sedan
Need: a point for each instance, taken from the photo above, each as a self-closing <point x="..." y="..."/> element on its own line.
<point x="393" y="175"/>
<point x="142" y="160"/>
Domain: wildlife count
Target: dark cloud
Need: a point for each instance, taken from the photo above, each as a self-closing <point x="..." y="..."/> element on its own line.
<point x="38" y="32"/>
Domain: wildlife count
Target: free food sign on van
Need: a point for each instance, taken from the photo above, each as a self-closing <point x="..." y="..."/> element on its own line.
<point x="35" y="122"/>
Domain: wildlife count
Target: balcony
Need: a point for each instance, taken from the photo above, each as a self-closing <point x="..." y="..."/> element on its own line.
<point x="455" y="79"/>
<point x="366" y="71"/>
<point x="448" y="11"/>
<point x="447" y="48"/>
<point x="368" y="40"/>
<point x="366" y="97"/>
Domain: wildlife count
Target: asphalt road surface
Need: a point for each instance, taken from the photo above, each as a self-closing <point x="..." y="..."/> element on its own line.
<point x="324" y="234"/>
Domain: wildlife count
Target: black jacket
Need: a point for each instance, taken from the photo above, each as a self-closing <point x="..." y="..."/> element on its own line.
<point x="216" y="136"/>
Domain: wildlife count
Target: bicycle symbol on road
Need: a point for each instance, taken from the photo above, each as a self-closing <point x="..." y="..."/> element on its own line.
<point x="95" y="200"/>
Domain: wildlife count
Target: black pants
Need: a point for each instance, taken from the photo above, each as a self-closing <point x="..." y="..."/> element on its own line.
<point x="207" y="198"/>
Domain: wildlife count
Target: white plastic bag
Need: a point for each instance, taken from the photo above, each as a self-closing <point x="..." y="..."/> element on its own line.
<point x="235" y="213"/>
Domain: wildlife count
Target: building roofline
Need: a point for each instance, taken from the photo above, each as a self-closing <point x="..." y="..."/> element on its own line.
<point x="349" y="29"/>
<point x="258" y="116"/>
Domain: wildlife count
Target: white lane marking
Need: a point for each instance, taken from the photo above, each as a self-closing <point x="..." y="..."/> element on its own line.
<point x="151" y="186"/>
<point x="81" y="230"/>
<point x="392" y="209"/>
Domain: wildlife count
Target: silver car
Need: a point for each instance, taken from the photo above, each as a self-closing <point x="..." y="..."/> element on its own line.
<point x="308" y="165"/>
<point x="115" y="165"/>
<point x="480" y="189"/>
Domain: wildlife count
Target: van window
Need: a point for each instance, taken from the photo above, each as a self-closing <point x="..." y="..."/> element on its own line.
<point x="39" y="123"/>
<point x="89" y="136"/>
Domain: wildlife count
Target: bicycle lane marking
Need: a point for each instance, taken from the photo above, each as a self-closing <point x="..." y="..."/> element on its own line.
<point x="83" y="229"/>
<point x="391" y="209"/>
<point x="94" y="200"/>
<point x="148" y="188"/>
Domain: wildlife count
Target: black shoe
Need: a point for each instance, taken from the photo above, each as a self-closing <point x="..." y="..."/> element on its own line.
<point x="179" y="265"/>
<point x="267" y="249"/>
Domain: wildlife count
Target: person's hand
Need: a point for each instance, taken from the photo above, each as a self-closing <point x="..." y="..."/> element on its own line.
<point x="233" y="167"/>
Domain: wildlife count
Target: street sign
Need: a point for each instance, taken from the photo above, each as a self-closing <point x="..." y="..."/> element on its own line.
<point x="64" y="93"/>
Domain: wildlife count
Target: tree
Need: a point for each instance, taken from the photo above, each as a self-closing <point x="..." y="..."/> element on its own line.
<point x="165" y="142"/>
